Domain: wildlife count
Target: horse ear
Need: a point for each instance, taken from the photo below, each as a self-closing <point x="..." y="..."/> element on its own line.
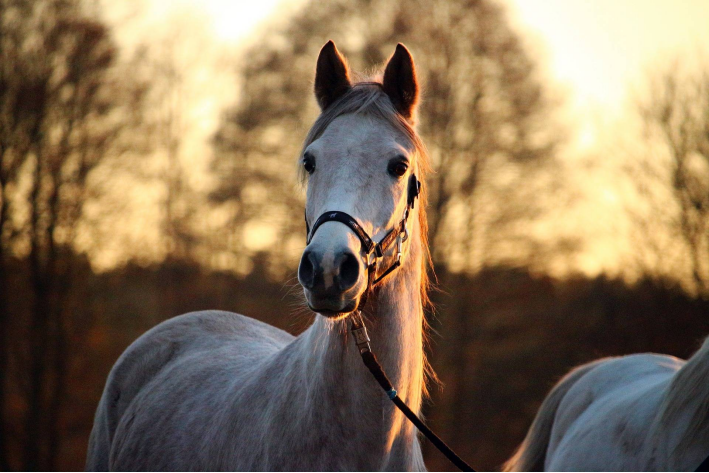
<point x="332" y="76"/>
<point x="400" y="82"/>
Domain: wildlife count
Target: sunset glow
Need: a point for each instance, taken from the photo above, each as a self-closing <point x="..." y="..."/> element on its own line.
<point x="594" y="54"/>
<point x="232" y="20"/>
<point x="600" y="47"/>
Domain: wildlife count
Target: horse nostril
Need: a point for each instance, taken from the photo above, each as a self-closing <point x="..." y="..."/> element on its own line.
<point x="349" y="271"/>
<point x="306" y="270"/>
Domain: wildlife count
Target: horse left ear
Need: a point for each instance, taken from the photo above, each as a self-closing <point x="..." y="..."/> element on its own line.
<point x="400" y="82"/>
<point x="332" y="76"/>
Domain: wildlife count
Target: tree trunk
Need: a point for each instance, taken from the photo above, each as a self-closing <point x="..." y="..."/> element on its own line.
<point x="39" y="337"/>
<point x="53" y="298"/>
<point x="459" y="361"/>
<point x="4" y="318"/>
<point x="695" y="256"/>
<point x="60" y="363"/>
<point x="436" y="215"/>
<point x="4" y="322"/>
<point x="39" y="333"/>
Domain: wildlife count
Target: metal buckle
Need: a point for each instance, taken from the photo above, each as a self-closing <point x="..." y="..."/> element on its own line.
<point x="399" y="248"/>
<point x="362" y="339"/>
<point x="403" y="236"/>
<point x="371" y="258"/>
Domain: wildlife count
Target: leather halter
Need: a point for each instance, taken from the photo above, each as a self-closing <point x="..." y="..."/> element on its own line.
<point x="373" y="251"/>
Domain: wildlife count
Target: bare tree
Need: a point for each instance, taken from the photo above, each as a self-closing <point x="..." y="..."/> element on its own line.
<point x="65" y="114"/>
<point x="171" y="62"/>
<point x="671" y="174"/>
<point x="485" y="115"/>
<point x="22" y="103"/>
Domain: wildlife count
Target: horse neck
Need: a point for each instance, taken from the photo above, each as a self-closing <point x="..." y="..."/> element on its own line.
<point x="394" y="319"/>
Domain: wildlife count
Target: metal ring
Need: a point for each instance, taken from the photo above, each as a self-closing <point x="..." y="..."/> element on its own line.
<point x="406" y="234"/>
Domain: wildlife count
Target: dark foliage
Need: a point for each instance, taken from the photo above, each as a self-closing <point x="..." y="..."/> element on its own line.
<point x="522" y="333"/>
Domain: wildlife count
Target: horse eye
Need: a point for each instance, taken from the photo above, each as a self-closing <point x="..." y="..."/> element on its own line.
<point x="398" y="168"/>
<point x="309" y="163"/>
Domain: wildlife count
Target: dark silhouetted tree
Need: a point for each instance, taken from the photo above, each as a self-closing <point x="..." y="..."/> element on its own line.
<point x="671" y="172"/>
<point x="64" y="112"/>
<point x="485" y="117"/>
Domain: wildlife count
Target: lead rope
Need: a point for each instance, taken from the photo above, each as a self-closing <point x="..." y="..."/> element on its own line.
<point x="375" y="251"/>
<point x="359" y="332"/>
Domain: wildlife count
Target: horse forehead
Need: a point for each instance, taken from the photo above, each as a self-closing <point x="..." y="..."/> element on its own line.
<point x="355" y="135"/>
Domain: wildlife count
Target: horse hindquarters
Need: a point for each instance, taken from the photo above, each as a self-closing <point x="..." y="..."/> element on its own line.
<point x="99" y="447"/>
<point x="531" y="454"/>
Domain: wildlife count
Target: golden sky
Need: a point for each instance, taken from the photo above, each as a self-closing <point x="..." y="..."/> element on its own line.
<point x="598" y="50"/>
<point x="594" y="47"/>
<point x="598" y="47"/>
<point x="595" y="50"/>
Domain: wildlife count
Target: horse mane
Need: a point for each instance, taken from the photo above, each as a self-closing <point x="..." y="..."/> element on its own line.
<point x="689" y="387"/>
<point x="367" y="97"/>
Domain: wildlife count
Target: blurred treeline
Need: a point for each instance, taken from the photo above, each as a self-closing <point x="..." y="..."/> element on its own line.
<point x="81" y="121"/>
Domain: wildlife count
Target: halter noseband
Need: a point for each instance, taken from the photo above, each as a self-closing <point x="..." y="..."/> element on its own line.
<point x="373" y="251"/>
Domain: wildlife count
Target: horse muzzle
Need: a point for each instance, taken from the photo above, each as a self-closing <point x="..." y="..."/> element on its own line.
<point x="332" y="281"/>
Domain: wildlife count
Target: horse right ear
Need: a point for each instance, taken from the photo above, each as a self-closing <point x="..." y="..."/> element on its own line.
<point x="400" y="82"/>
<point x="332" y="76"/>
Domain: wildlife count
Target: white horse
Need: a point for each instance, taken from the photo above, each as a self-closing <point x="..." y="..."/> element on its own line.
<point x="642" y="412"/>
<point x="220" y="391"/>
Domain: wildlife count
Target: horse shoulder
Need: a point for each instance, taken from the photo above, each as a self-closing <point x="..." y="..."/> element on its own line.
<point x="160" y="347"/>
